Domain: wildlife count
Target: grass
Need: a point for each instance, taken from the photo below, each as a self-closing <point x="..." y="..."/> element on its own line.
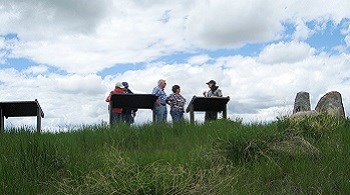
<point x="288" y="156"/>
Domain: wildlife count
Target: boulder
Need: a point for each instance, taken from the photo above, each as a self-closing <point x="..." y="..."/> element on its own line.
<point x="303" y="114"/>
<point x="302" y="102"/>
<point x="331" y="103"/>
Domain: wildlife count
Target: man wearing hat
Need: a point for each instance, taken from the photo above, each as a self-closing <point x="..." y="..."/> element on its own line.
<point x="117" y="115"/>
<point x="128" y="114"/>
<point x="213" y="91"/>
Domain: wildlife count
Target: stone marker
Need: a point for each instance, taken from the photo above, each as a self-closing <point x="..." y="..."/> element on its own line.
<point x="331" y="103"/>
<point x="302" y="102"/>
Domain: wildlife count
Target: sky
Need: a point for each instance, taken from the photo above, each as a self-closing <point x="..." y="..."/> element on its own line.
<point x="69" y="54"/>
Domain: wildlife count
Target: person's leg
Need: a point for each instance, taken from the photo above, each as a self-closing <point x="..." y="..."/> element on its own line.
<point x="181" y="116"/>
<point x="127" y="118"/>
<point x="114" y="118"/>
<point x="119" y="117"/>
<point x="172" y="114"/>
<point x="164" y="114"/>
<point x="130" y="119"/>
<point x="213" y="115"/>
<point x="159" y="114"/>
<point x="209" y="115"/>
<point x="177" y="116"/>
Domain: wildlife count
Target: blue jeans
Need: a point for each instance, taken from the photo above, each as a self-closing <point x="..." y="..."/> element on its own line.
<point x="177" y="116"/>
<point x="117" y="117"/>
<point x="160" y="114"/>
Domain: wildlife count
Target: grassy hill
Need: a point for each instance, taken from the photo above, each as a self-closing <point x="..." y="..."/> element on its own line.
<point x="308" y="156"/>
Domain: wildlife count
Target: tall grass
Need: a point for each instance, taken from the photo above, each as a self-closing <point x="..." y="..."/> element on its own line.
<point x="305" y="156"/>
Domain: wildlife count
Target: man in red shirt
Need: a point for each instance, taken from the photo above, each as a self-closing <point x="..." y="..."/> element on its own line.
<point x="117" y="115"/>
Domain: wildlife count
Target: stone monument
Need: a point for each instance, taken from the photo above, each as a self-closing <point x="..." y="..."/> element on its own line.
<point x="331" y="103"/>
<point x="302" y="102"/>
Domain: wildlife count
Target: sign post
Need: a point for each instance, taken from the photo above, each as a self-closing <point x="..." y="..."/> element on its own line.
<point x="215" y="104"/>
<point x="21" y="109"/>
<point x="132" y="101"/>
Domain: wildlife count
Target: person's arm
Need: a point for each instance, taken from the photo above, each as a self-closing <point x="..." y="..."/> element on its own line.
<point x="219" y="93"/>
<point x="155" y="92"/>
<point x="170" y="100"/>
<point x="108" y="99"/>
<point x="205" y="94"/>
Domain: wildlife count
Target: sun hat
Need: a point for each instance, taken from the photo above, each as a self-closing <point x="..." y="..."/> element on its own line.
<point x="118" y="84"/>
<point x="211" y="81"/>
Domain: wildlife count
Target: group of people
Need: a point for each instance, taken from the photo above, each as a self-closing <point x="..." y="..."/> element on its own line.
<point x="175" y="100"/>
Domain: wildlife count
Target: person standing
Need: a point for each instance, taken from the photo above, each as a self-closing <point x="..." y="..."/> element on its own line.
<point x="128" y="114"/>
<point x="177" y="104"/>
<point x="160" y="109"/>
<point x="213" y="91"/>
<point x="117" y="116"/>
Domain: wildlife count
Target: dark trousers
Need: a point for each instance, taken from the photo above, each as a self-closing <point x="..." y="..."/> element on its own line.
<point x="210" y="115"/>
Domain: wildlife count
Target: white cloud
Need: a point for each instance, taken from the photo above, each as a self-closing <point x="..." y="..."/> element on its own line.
<point x="28" y="18"/>
<point x="302" y="32"/>
<point x="41" y="69"/>
<point x="87" y="36"/>
<point x="214" y="24"/>
<point x="258" y="92"/>
<point x="2" y="42"/>
<point x="199" y="59"/>
<point x="347" y="40"/>
<point x="285" y="52"/>
<point x="5" y="45"/>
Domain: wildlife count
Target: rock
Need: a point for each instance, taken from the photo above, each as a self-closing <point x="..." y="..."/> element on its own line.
<point x="303" y="114"/>
<point x="294" y="145"/>
<point x="331" y="103"/>
<point x="302" y="102"/>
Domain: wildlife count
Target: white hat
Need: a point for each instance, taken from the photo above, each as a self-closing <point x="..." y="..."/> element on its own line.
<point x="119" y="84"/>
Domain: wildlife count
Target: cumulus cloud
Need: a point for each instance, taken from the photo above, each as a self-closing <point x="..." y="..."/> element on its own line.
<point x="86" y="37"/>
<point x="41" y="69"/>
<point x="302" y="32"/>
<point x="214" y="24"/>
<point x="347" y="40"/>
<point x="65" y="99"/>
<point x="199" y="59"/>
<point x="286" y="52"/>
<point x="5" y="47"/>
<point x="29" y="18"/>
<point x="258" y="92"/>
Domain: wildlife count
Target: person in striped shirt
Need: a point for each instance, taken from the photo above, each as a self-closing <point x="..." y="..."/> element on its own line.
<point x="177" y="104"/>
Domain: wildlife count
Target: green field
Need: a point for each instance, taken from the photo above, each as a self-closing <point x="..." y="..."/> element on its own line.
<point x="308" y="156"/>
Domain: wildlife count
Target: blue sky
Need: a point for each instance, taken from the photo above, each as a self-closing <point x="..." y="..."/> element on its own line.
<point x="261" y="53"/>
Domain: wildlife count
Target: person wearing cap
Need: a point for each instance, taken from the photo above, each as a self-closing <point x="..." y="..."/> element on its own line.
<point x="160" y="109"/>
<point x="177" y="104"/>
<point x="213" y="91"/>
<point x="128" y="114"/>
<point x="117" y="115"/>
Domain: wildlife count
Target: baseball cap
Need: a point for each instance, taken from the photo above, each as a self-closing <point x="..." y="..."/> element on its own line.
<point x="125" y="84"/>
<point x="118" y="84"/>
